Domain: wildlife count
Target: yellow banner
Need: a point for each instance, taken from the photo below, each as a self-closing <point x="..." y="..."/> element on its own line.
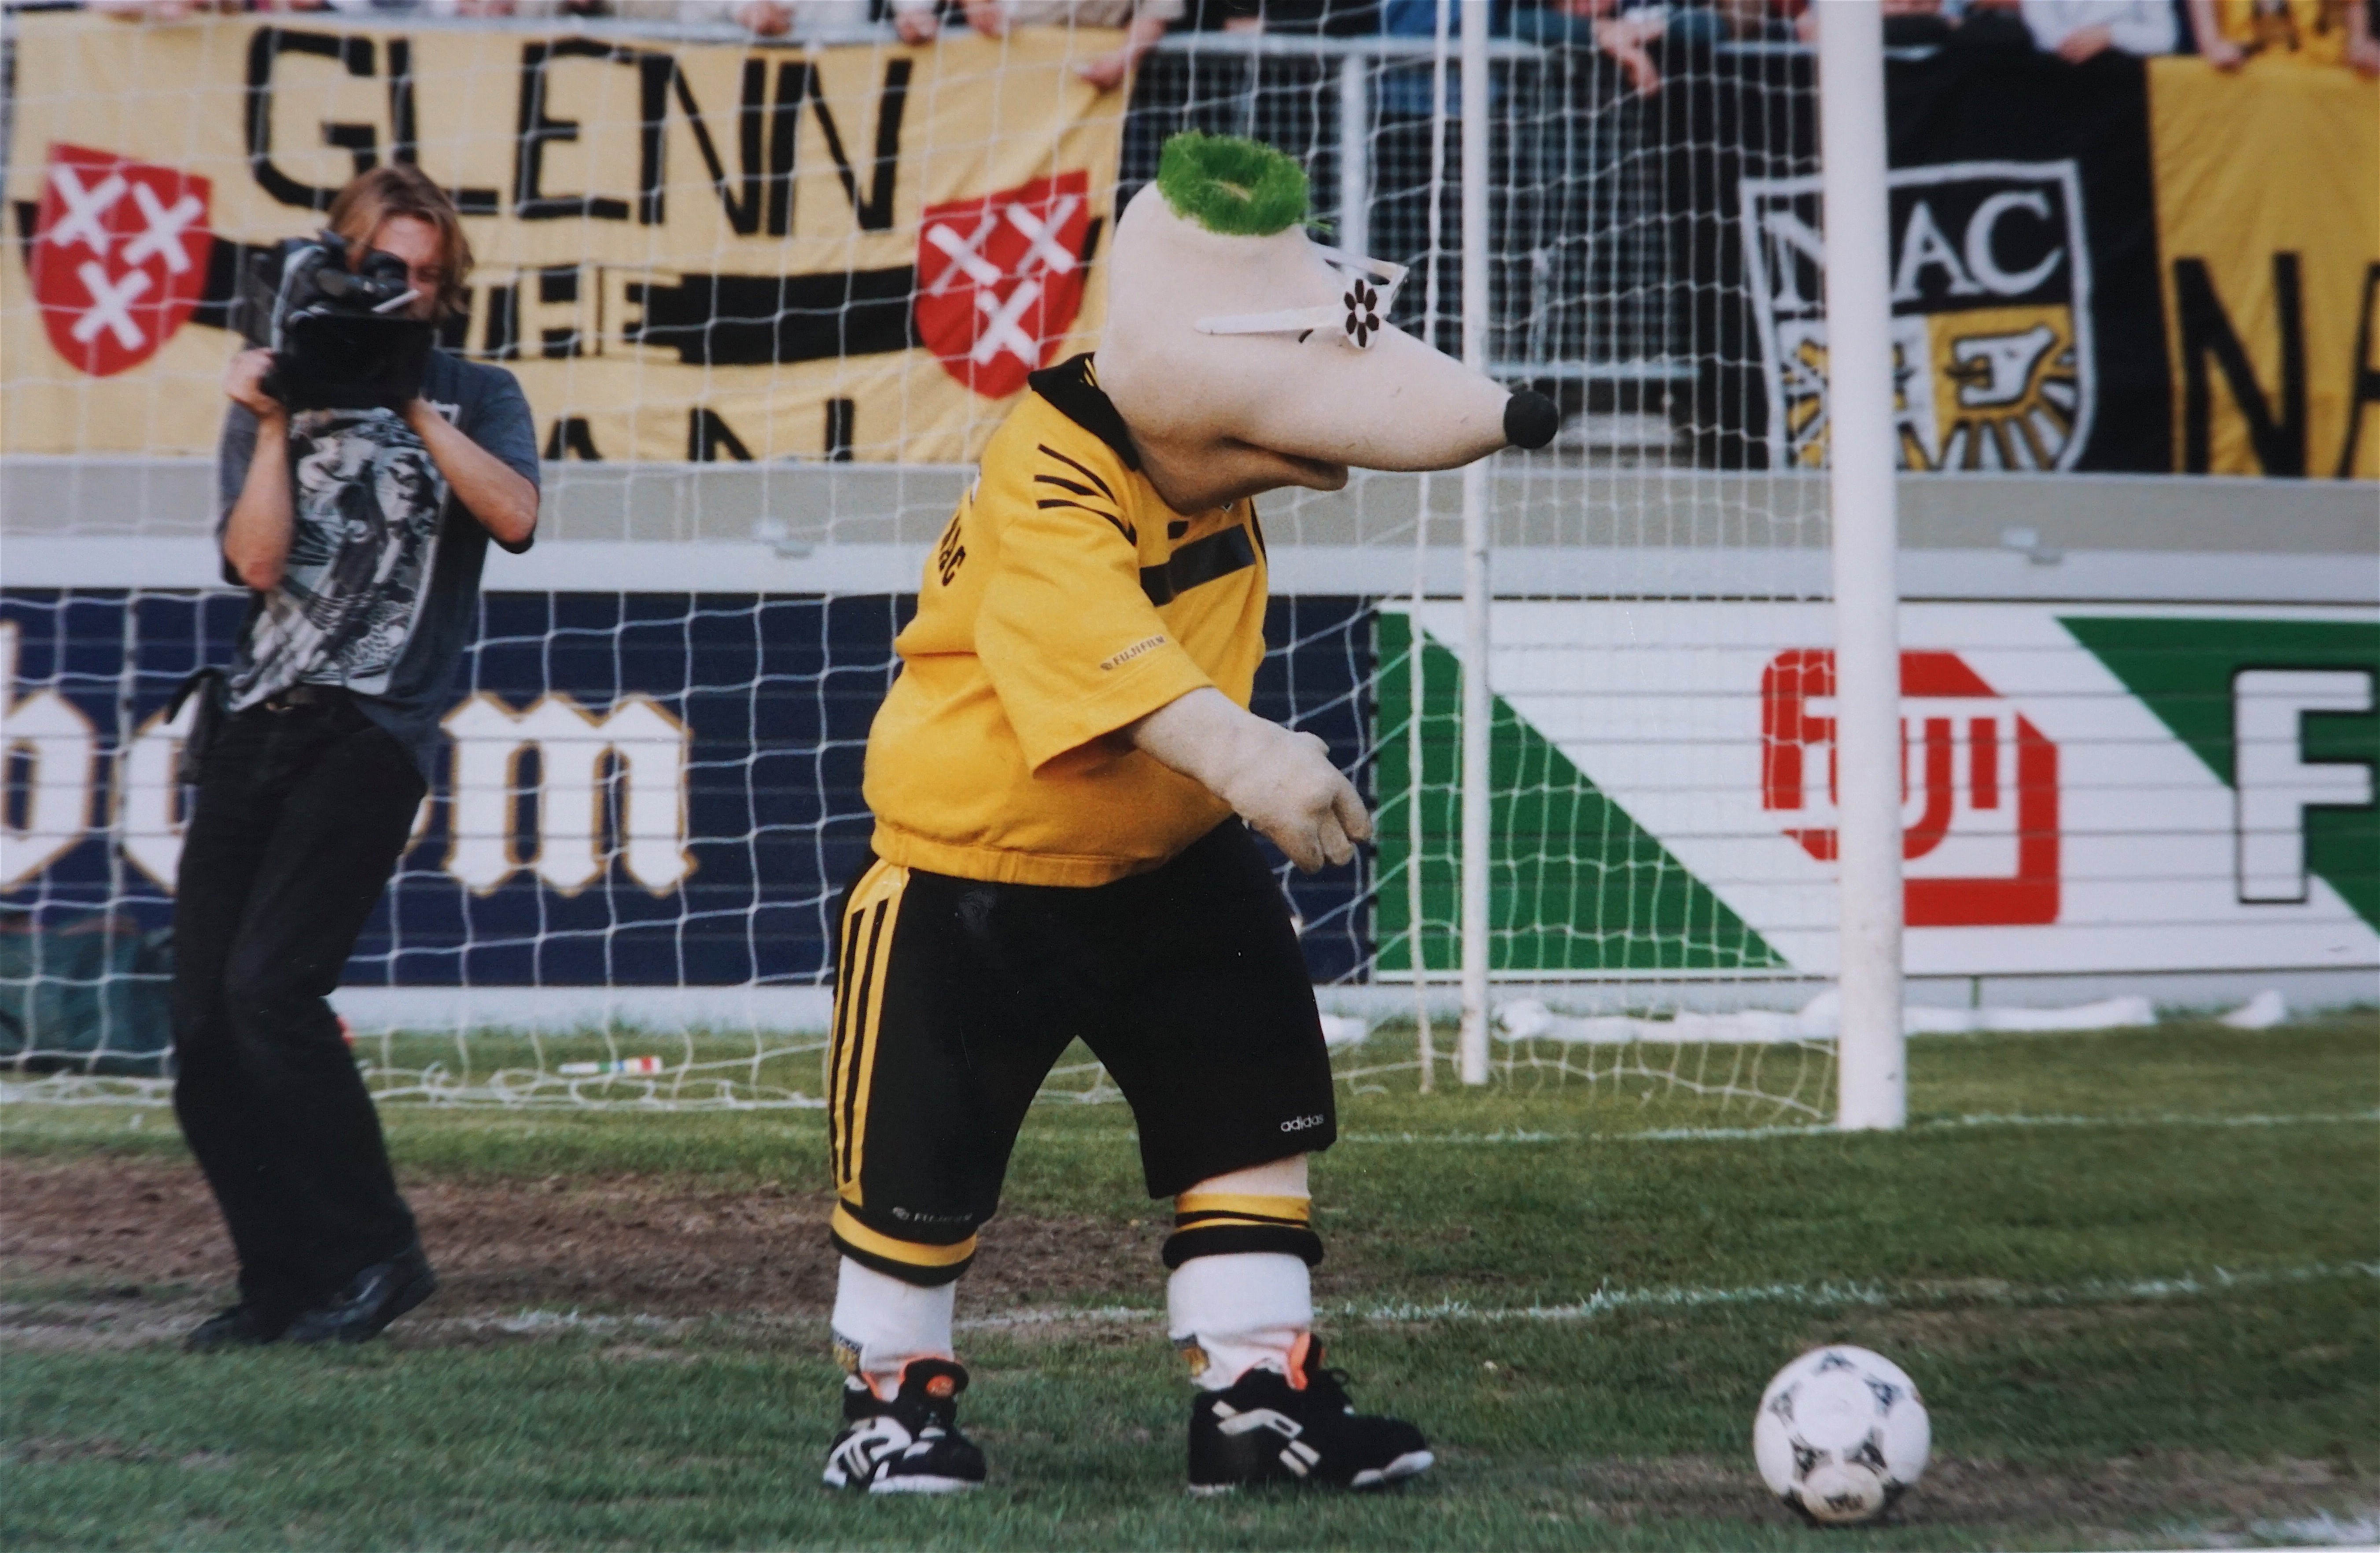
<point x="2268" y="240"/>
<point x="686" y="251"/>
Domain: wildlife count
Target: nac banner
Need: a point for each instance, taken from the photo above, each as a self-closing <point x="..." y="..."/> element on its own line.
<point x="2127" y="265"/>
<point x="686" y="251"/>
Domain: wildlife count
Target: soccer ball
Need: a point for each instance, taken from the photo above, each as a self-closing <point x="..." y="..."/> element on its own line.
<point x="1840" y="1434"/>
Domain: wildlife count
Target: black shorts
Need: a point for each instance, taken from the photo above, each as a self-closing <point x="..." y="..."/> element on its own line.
<point x="954" y="998"/>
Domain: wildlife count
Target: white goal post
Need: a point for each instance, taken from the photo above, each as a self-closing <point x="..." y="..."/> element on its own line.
<point x="1872" y="1084"/>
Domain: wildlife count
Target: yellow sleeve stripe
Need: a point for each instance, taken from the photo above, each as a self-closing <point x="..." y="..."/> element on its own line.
<point x="1297" y="1210"/>
<point x="915" y="1255"/>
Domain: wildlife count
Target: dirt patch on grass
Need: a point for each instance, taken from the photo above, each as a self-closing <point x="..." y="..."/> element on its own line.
<point x="133" y="1234"/>
<point x="2209" y="1495"/>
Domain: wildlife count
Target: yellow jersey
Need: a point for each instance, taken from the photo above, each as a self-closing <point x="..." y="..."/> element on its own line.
<point x="1065" y="600"/>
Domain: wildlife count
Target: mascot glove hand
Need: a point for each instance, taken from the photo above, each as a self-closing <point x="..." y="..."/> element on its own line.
<point x="1282" y="782"/>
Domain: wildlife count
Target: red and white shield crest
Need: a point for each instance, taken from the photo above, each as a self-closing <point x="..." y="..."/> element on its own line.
<point x="999" y="279"/>
<point x="119" y="256"/>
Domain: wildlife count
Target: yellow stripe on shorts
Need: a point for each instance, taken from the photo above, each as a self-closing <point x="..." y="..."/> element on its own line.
<point x="911" y="1253"/>
<point x="1297" y="1210"/>
<point x="868" y="932"/>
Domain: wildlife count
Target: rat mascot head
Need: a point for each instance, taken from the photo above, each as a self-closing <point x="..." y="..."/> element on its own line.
<point x="1244" y="357"/>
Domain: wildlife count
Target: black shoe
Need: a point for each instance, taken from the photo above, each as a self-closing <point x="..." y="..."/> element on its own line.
<point x="243" y="1326"/>
<point x="910" y="1445"/>
<point x="1263" y="1430"/>
<point x="372" y="1299"/>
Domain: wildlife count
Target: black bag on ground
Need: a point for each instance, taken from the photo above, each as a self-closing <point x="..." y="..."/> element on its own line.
<point x="94" y="996"/>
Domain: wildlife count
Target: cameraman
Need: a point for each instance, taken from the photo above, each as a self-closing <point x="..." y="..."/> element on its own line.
<point x="360" y="534"/>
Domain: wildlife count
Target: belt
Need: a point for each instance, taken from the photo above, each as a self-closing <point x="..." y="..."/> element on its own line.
<point x="304" y="695"/>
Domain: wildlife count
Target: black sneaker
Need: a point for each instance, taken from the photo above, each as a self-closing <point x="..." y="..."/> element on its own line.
<point x="243" y="1326"/>
<point x="910" y="1445"/>
<point x="372" y="1299"/>
<point x="1263" y="1430"/>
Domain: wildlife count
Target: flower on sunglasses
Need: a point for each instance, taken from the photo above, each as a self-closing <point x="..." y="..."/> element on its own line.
<point x="1363" y="313"/>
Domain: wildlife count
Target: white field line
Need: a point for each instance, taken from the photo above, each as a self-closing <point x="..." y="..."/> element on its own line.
<point x="2214" y="1281"/>
<point x="1828" y="1296"/>
<point x="20" y="1326"/>
<point x="1949" y="1123"/>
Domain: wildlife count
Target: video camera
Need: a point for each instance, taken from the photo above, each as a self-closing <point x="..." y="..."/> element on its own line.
<point x="341" y="339"/>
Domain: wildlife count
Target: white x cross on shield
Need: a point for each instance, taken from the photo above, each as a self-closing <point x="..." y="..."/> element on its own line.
<point x="87" y="210"/>
<point x="964" y="258"/>
<point x="111" y="306"/>
<point x="163" y="237"/>
<point x="1001" y="331"/>
<point x="1046" y="236"/>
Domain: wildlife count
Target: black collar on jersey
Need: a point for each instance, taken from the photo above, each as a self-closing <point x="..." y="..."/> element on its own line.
<point x="1076" y="394"/>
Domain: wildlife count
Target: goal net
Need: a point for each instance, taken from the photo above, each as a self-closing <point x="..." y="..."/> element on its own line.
<point x="767" y="298"/>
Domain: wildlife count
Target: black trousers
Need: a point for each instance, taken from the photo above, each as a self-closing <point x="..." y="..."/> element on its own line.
<point x="300" y="818"/>
<point x="954" y="997"/>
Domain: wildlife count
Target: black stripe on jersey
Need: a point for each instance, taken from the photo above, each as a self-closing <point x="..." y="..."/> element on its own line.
<point x="1121" y="526"/>
<point x="1202" y="561"/>
<point x="1078" y="468"/>
<point x="1073" y="391"/>
<point x="1066" y="485"/>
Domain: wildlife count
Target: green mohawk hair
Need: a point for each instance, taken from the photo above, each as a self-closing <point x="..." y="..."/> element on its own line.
<point x="1238" y="187"/>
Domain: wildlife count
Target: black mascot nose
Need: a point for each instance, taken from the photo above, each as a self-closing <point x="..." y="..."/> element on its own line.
<point x="1530" y="419"/>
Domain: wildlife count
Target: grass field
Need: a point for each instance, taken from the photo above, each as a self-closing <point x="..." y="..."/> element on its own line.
<point x="2136" y="1274"/>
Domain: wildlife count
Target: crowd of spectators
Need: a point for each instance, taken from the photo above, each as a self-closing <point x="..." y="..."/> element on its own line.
<point x="1637" y="35"/>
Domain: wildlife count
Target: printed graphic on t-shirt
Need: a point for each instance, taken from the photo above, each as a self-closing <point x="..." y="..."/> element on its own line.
<point x="368" y="500"/>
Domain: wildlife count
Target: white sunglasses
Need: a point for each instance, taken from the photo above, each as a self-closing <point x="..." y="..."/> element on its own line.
<point x="1360" y="313"/>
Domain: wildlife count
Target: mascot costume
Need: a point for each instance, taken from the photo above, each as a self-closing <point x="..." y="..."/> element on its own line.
<point x="1065" y="778"/>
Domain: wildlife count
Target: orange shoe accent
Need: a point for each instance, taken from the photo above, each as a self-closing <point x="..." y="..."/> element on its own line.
<point x="1297" y="1353"/>
<point x="940" y="1386"/>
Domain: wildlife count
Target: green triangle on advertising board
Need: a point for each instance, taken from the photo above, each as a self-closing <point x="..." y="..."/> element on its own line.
<point x="1576" y="883"/>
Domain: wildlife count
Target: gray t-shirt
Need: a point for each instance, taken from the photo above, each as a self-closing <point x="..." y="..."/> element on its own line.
<point x="382" y="579"/>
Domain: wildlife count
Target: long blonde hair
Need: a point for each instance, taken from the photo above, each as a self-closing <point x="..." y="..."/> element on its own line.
<point x="402" y="189"/>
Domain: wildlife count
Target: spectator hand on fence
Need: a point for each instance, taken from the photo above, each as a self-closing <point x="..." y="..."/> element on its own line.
<point x="764" y="18"/>
<point x="1629" y="41"/>
<point x="2085" y="42"/>
<point x="2363" y="48"/>
<point x="2217" y="49"/>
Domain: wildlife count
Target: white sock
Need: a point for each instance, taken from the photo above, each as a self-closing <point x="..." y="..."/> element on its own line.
<point x="880" y="1324"/>
<point x="1233" y="1313"/>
